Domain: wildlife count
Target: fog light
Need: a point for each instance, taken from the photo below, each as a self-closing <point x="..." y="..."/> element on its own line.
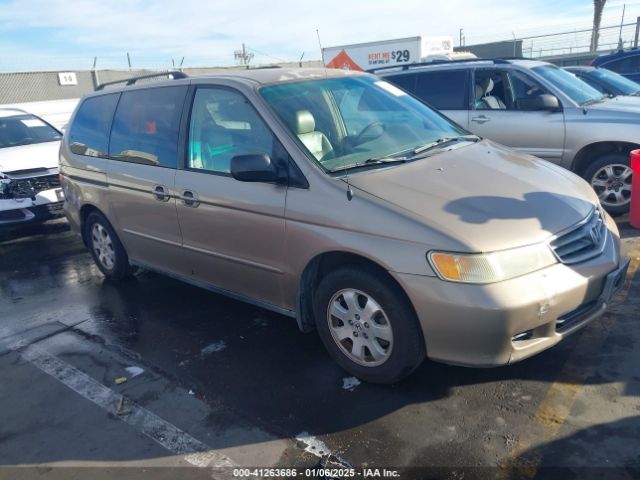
<point x="521" y="337"/>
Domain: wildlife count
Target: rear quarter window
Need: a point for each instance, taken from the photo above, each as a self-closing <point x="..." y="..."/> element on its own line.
<point x="146" y="125"/>
<point x="444" y="90"/>
<point x="89" y="132"/>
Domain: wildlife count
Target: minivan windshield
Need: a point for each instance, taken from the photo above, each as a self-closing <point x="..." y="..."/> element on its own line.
<point x="352" y="122"/>
<point x="579" y="91"/>
<point x="24" y="130"/>
<point x="623" y="84"/>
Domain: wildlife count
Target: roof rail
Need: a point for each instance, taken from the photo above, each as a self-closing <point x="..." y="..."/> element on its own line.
<point x="171" y="74"/>
<point x="439" y="62"/>
<point x="15" y="109"/>
<point x="263" y="67"/>
<point x="514" y="58"/>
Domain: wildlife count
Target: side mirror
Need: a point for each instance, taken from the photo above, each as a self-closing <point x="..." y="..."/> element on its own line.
<point x="254" y="167"/>
<point x="547" y="101"/>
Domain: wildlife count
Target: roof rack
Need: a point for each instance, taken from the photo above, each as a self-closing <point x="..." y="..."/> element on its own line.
<point x="171" y="74"/>
<point x="439" y="62"/>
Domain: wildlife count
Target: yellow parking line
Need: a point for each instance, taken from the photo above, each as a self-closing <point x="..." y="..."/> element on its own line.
<point x="556" y="406"/>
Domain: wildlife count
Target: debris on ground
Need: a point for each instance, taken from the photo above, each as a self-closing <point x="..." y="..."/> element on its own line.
<point x="134" y="371"/>
<point x="213" y="348"/>
<point x="313" y="445"/>
<point x="350" y="383"/>
<point x="120" y="380"/>
<point x="120" y="411"/>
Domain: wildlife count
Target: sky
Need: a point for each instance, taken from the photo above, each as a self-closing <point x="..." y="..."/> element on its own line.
<point x="68" y="34"/>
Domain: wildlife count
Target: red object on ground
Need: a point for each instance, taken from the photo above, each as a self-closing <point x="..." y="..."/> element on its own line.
<point x="634" y="213"/>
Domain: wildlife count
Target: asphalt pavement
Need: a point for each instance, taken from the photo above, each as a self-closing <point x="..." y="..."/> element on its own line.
<point x="218" y="384"/>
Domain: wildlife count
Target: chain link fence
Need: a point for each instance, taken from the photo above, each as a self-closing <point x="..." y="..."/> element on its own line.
<point x="578" y="41"/>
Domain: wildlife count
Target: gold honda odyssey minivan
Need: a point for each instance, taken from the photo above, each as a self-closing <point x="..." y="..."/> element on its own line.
<point x="338" y="199"/>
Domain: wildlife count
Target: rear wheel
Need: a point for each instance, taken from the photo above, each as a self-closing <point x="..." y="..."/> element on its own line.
<point x="610" y="177"/>
<point x="106" y="248"/>
<point x="368" y="326"/>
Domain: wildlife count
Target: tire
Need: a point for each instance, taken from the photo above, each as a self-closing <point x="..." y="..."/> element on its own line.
<point x="106" y="248"/>
<point x="386" y="358"/>
<point x="607" y="173"/>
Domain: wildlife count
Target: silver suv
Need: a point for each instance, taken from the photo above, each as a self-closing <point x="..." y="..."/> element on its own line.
<point x="339" y="200"/>
<point x="536" y="108"/>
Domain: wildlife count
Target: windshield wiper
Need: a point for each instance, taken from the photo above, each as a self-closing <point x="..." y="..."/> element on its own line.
<point x="385" y="160"/>
<point x="399" y="158"/>
<point x="444" y="141"/>
<point x="594" y="100"/>
<point x="371" y="161"/>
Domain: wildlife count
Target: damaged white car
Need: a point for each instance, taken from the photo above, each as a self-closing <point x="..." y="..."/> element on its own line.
<point x="29" y="183"/>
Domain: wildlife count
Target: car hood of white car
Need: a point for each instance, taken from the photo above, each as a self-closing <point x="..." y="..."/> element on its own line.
<point x="618" y="104"/>
<point x="28" y="157"/>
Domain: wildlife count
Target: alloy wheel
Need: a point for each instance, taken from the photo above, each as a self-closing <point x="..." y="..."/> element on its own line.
<point x="103" y="246"/>
<point x="360" y="327"/>
<point x="612" y="183"/>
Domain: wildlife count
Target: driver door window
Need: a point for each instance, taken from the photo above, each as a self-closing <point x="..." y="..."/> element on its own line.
<point x="223" y="124"/>
<point x="525" y="91"/>
<point x="506" y="90"/>
<point x="507" y="111"/>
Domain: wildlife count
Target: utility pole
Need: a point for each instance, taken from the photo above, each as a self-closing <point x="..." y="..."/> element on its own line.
<point x="129" y="60"/>
<point x="620" y="42"/>
<point x="242" y="56"/>
<point x="635" y="42"/>
<point x="461" y="40"/>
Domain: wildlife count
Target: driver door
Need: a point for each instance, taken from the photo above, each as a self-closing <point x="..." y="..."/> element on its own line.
<point x="233" y="232"/>
<point x="508" y="114"/>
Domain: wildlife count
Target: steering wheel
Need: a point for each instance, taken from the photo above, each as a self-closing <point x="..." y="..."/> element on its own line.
<point x="359" y="138"/>
<point x="534" y="90"/>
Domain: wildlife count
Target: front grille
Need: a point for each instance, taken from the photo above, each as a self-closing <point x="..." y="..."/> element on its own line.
<point x="29" y="187"/>
<point x="584" y="241"/>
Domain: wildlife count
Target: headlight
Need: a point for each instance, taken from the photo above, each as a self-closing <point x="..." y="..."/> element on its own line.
<point x="491" y="267"/>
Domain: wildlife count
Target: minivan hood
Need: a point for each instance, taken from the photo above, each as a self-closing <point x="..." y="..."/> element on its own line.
<point x="484" y="195"/>
<point x="26" y="157"/>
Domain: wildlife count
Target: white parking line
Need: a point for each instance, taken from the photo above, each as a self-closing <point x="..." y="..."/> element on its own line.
<point x="159" y="430"/>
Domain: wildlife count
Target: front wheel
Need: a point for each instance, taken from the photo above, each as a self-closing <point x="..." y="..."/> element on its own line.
<point x="106" y="249"/>
<point x="368" y="326"/>
<point x="610" y="177"/>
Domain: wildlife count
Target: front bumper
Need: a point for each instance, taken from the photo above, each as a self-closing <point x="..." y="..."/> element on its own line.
<point x="44" y="206"/>
<point x="502" y="323"/>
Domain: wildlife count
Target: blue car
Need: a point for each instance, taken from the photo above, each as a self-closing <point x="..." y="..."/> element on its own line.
<point x="624" y="62"/>
<point x="605" y="81"/>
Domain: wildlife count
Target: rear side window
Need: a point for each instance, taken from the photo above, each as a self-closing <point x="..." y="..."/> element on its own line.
<point x="629" y="64"/>
<point x="444" y="90"/>
<point x="146" y="124"/>
<point x="89" y="133"/>
<point x="407" y="82"/>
